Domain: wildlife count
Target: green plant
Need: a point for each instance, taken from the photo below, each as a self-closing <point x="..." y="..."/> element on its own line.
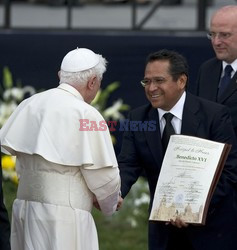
<point x="11" y="95"/>
<point x="100" y="102"/>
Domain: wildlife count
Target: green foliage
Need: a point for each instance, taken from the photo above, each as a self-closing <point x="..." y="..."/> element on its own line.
<point x="9" y="191"/>
<point x="7" y="78"/>
<point x="103" y="96"/>
<point x="100" y="103"/>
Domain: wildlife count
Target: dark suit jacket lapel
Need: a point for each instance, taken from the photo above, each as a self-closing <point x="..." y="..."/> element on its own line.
<point x="232" y="87"/>
<point x="153" y="137"/>
<point x="190" y="123"/>
<point x="190" y="119"/>
<point x="213" y="79"/>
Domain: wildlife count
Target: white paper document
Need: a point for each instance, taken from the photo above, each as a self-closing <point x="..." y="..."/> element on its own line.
<point x="189" y="173"/>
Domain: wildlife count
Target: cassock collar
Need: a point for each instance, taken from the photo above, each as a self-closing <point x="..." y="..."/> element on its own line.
<point x="70" y="89"/>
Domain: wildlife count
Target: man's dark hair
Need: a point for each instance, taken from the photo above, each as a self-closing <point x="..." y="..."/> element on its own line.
<point x="178" y="64"/>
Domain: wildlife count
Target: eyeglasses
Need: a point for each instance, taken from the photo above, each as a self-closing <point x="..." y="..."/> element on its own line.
<point x="156" y="80"/>
<point x="220" y="35"/>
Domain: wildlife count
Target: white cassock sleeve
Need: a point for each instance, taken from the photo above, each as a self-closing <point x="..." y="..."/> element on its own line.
<point x="105" y="184"/>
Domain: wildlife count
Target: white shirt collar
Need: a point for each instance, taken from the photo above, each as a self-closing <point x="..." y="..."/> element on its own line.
<point x="177" y="110"/>
<point x="233" y="65"/>
<point x="71" y="89"/>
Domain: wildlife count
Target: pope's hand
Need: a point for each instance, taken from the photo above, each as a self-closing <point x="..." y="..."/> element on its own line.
<point x="95" y="203"/>
<point x="120" y="202"/>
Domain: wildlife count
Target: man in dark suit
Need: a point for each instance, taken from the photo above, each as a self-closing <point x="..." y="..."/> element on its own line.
<point x="4" y="222"/>
<point x="223" y="36"/>
<point x="166" y="75"/>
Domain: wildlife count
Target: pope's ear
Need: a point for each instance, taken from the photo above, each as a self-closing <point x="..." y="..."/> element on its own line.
<point x="91" y="82"/>
<point x="59" y="74"/>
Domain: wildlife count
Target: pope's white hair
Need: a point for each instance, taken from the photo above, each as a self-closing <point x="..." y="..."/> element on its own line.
<point x="81" y="77"/>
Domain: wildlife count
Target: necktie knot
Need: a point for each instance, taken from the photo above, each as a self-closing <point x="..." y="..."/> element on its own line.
<point x="168" y="117"/>
<point x="228" y="70"/>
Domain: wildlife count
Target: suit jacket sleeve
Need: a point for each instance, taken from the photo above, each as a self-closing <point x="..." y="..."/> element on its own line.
<point x="129" y="164"/>
<point x="222" y="131"/>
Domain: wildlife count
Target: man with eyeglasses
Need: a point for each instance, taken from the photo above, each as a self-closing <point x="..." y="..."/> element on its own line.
<point x="165" y="80"/>
<point x="217" y="77"/>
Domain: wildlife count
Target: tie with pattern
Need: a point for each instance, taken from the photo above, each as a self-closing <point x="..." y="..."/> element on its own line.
<point x="168" y="130"/>
<point x="225" y="80"/>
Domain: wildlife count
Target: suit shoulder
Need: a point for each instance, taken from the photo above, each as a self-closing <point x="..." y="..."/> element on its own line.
<point x="194" y="101"/>
<point x="140" y="111"/>
<point x="210" y="105"/>
<point x="210" y="62"/>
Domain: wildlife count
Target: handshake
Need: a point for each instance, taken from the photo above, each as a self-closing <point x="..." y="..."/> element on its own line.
<point x="105" y="204"/>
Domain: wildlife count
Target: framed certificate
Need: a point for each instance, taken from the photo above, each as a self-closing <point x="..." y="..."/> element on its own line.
<point x="190" y="171"/>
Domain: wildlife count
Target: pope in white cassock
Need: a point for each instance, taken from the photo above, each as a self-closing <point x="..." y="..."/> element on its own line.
<point x="62" y="169"/>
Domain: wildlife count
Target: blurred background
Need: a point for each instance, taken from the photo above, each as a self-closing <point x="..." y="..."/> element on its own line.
<point x="36" y="34"/>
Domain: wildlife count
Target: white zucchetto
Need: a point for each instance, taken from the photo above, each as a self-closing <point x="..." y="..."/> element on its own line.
<point x="79" y="59"/>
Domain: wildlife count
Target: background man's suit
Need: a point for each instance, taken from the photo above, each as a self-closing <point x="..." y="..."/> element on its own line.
<point x="4" y="222"/>
<point x="142" y="151"/>
<point x="207" y="87"/>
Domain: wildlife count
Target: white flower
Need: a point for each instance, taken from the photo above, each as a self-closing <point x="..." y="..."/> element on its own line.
<point x="6" y="109"/>
<point x="13" y="93"/>
<point x="113" y="111"/>
<point x="17" y="94"/>
<point x="132" y="222"/>
<point x="29" y="90"/>
<point x="144" y="199"/>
